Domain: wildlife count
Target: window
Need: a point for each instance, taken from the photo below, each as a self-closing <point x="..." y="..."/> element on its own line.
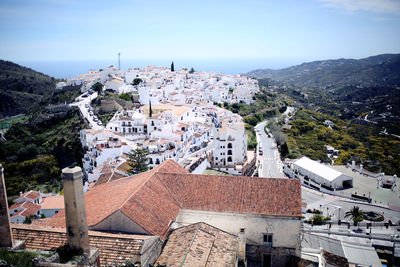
<point x="229" y="145"/>
<point x="267" y="240"/>
<point x="229" y="152"/>
<point x="229" y="159"/>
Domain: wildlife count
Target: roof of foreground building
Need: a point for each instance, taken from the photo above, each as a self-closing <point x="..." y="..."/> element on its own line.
<point x="199" y="244"/>
<point x="154" y="198"/>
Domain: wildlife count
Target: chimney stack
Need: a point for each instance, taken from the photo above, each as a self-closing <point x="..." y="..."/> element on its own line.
<point x="242" y="246"/>
<point x="75" y="211"/>
<point x="5" y="228"/>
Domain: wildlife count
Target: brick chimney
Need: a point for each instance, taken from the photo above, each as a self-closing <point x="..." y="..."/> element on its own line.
<point x="5" y="228"/>
<point x="75" y="211"/>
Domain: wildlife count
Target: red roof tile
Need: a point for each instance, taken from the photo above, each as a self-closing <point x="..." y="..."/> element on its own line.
<point x="29" y="208"/>
<point x="31" y="195"/>
<point x="114" y="249"/>
<point x="154" y="198"/>
<point x="274" y="196"/>
<point x="199" y="244"/>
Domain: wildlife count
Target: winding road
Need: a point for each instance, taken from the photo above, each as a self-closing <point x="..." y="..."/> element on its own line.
<point x="270" y="164"/>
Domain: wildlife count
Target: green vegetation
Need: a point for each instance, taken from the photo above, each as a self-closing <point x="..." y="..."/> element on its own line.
<point x="136" y="81"/>
<point x="35" y="152"/>
<point x="266" y="106"/>
<point x="191" y="70"/>
<point x="318" y="219"/>
<point x="138" y="161"/>
<point x="22" y="89"/>
<point x="66" y="253"/>
<point x="97" y="87"/>
<point x="361" y="143"/>
<point x="355" y="214"/>
<point x="12" y="258"/>
<point x="125" y="96"/>
<point x="377" y="70"/>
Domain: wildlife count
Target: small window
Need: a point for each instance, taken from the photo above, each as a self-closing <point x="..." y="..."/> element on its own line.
<point x="268" y="239"/>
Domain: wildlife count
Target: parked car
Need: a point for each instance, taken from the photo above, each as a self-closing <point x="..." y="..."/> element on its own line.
<point x="99" y="123"/>
<point x="95" y="119"/>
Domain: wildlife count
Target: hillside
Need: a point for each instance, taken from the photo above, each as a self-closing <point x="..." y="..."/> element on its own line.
<point x="22" y="89"/>
<point x="377" y="70"/>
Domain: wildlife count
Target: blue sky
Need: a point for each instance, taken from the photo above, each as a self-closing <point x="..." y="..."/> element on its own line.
<point x="302" y="30"/>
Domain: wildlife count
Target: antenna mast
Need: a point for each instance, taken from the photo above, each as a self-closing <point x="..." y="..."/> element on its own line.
<point x="119" y="60"/>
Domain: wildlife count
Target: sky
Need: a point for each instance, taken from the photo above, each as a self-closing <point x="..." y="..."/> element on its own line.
<point x="283" y="31"/>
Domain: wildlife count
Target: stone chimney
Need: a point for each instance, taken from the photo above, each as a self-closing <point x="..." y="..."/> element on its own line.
<point x="242" y="246"/>
<point x="75" y="211"/>
<point x="5" y="228"/>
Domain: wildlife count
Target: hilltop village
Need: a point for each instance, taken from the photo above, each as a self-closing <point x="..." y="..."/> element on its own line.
<point x="255" y="207"/>
<point x="176" y="117"/>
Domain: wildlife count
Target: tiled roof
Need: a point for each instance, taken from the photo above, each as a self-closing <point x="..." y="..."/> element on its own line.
<point x="113" y="248"/>
<point x="29" y="208"/>
<point x="154" y="198"/>
<point x="53" y="202"/>
<point x="236" y="194"/>
<point x="31" y="195"/>
<point x="199" y="244"/>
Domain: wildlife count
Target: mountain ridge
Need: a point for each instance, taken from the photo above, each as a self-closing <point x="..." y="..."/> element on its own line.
<point x="22" y="89"/>
<point x="381" y="69"/>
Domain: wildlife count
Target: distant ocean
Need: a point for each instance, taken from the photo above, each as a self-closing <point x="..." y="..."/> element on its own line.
<point x="70" y="69"/>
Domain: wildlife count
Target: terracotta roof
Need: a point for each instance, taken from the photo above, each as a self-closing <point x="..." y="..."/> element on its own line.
<point x="53" y="202"/>
<point x="113" y="248"/>
<point x="154" y="198"/>
<point x="199" y="244"/>
<point x="31" y="195"/>
<point x="29" y="208"/>
<point x="237" y="194"/>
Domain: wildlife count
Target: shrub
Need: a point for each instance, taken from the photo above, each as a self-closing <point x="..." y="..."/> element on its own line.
<point x="66" y="252"/>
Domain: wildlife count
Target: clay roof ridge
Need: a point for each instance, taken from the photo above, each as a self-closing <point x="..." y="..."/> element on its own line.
<point x="137" y="189"/>
<point x="191" y="244"/>
<point x="169" y="192"/>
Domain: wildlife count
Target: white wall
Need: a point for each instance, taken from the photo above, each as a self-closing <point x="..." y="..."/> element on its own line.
<point x="285" y="229"/>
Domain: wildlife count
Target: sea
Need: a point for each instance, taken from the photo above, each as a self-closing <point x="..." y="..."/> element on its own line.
<point x="70" y="69"/>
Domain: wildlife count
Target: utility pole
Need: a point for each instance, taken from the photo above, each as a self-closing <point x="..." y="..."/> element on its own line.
<point x="119" y="60"/>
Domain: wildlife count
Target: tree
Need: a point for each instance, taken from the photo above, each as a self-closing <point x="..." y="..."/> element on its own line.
<point x="355" y="214"/>
<point x="284" y="149"/>
<point x="137" y="81"/>
<point x="172" y="66"/>
<point x="192" y="70"/>
<point x="97" y="87"/>
<point x="138" y="161"/>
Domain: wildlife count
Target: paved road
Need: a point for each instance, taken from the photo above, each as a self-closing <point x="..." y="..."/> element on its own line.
<point x="85" y="112"/>
<point x="269" y="163"/>
<point x="332" y="206"/>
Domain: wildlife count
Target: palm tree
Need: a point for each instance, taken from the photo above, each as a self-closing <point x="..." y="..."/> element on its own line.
<point x="355" y="214"/>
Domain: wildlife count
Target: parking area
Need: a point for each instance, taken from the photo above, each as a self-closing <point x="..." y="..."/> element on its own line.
<point x="367" y="186"/>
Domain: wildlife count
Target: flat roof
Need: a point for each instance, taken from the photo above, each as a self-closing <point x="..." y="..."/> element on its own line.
<point x="318" y="168"/>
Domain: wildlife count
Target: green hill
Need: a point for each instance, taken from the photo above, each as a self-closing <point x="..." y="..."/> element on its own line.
<point x="377" y="70"/>
<point x="22" y="89"/>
